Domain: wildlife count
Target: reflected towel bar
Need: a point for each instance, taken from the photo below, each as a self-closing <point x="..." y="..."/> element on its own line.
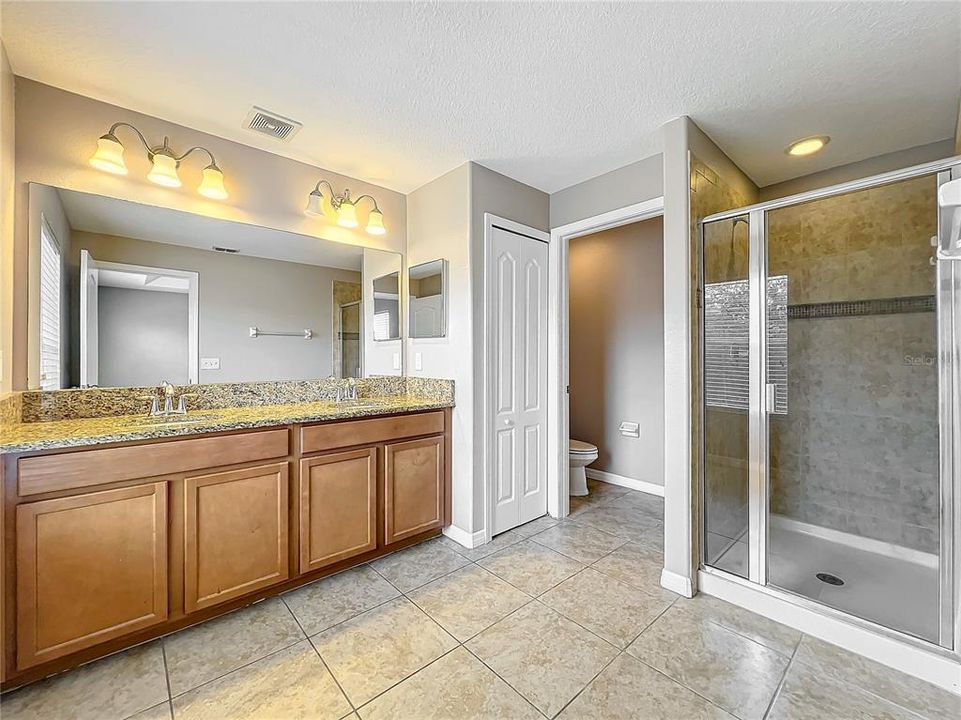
<point x="306" y="333"/>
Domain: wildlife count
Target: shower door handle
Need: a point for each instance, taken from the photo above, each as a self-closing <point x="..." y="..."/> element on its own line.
<point x="770" y="390"/>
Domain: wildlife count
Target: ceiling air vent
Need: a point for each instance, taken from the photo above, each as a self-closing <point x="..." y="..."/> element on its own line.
<point x="228" y="250"/>
<point x="271" y="124"/>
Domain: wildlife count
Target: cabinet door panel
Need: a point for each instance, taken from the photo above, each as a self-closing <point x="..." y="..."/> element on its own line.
<point x="89" y="568"/>
<point x="235" y="526"/>
<point x="338" y="507"/>
<point x="413" y="488"/>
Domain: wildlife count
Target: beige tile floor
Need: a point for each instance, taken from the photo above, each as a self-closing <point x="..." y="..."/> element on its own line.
<point x="552" y="619"/>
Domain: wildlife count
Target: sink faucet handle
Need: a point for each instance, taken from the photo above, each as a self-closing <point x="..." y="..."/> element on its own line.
<point x="182" y="403"/>
<point x="154" y="404"/>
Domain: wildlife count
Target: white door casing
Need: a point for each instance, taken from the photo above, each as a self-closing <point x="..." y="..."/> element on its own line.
<point x="518" y="336"/>
<point x="89" y="335"/>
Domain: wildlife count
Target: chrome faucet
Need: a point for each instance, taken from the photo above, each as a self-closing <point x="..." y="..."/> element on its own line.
<point x="347" y="391"/>
<point x="168" y="392"/>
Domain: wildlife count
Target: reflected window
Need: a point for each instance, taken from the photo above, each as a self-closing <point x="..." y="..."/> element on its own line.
<point x="49" y="308"/>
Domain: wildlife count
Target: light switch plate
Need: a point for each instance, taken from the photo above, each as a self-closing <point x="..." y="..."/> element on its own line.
<point x="396" y="361"/>
<point x="418" y="362"/>
<point x="209" y="363"/>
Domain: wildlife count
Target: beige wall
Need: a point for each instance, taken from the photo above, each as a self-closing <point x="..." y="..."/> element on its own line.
<point x="438" y="226"/>
<point x="56" y="132"/>
<point x="7" y="187"/>
<point x="865" y="168"/>
<point x="236" y="292"/>
<point x="617" y="347"/>
<point x="633" y="183"/>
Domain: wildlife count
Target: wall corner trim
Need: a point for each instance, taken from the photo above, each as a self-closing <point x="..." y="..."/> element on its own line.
<point x="467" y="539"/>
<point x="613" y="479"/>
<point x="677" y="583"/>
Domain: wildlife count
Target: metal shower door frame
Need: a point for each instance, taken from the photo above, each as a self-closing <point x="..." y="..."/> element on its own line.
<point x="762" y="399"/>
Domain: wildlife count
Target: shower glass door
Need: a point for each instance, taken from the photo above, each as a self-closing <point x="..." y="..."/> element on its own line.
<point x="852" y="412"/>
<point x="828" y="453"/>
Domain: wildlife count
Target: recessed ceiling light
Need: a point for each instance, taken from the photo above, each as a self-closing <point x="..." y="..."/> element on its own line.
<point x="807" y="146"/>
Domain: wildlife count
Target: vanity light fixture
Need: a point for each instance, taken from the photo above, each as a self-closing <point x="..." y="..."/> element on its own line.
<point x="109" y="157"/>
<point x="807" y="146"/>
<point x="346" y="208"/>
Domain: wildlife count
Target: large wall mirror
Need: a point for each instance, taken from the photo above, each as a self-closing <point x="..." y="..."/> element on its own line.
<point x="427" y="284"/>
<point x="124" y="294"/>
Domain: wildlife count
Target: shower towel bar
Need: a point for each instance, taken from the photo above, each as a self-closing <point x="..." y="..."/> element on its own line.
<point x="306" y="333"/>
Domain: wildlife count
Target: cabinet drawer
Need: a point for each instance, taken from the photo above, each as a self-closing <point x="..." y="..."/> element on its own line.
<point x="68" y="471"/>
<point x="331" y="436"/>
<point x="89" y="568"/>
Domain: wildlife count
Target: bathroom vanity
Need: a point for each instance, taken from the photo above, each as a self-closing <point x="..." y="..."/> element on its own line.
<point x="132" y="531"/>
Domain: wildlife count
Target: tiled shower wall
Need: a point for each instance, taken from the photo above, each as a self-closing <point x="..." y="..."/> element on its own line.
<point x="858" y="448"/>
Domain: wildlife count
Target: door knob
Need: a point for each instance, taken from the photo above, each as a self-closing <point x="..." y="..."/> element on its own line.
<point x="509" y="423"/>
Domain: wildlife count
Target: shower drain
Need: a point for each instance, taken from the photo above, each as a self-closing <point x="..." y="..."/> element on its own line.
<point x="829" y="579"/>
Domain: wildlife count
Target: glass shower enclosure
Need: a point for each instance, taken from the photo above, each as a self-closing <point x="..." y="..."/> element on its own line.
<point x="830" y="332"/>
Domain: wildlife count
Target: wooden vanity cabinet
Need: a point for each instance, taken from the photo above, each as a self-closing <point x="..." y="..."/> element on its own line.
<point x="111" y="546"/>
<point x="235" y="533"/>
<point x="413" y="488"/>
<point x="90" y="567"/>
<point x="338" y="507"/>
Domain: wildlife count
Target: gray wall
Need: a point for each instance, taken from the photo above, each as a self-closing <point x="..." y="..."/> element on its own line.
<point x="617" y="347"/>
<point x="236" y="292"/>
<point x="634" y="183"/>
<point x="143" y="337"/>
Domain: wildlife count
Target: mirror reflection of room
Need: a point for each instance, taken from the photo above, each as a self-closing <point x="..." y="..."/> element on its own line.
<point x="387" y="307"/>
<point x="132" y="295"/>
<point x="427" y="288"/>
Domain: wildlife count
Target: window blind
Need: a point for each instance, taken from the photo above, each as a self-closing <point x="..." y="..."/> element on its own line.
<point x="726" y="343"/>
<point x="49" y="309"/>
<point x="382" y="326"/>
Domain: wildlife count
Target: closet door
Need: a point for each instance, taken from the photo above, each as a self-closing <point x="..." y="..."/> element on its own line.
<point x="518" y="328"/>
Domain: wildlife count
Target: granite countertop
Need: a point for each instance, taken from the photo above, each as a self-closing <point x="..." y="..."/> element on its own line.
<point x="25" y="437"/>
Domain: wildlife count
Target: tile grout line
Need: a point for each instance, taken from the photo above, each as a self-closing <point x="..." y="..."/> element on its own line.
<point x="780" y="685"/>
<point x="682" y="685"/>
<point x="320" y="657"/>
<point x="170" y="697"/>
<point x="521" y="695"/>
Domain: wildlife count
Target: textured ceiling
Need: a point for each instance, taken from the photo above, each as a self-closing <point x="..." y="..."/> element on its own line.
<point x="549" y="94"/>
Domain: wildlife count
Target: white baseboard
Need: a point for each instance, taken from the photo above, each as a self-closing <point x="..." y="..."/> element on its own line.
<point x="677" y="583"/>
<point x="612" y="479"/>
<point x="467" y="539"/>
<point x="918" y="557"/>
<point x="911" y="658"/>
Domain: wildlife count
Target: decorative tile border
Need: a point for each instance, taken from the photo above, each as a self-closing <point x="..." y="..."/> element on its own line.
<point x="858" y="308"/>
<point x="38" y="406"/>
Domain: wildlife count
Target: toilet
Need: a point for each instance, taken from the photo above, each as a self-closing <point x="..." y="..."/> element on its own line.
<point x="582" y="454"/>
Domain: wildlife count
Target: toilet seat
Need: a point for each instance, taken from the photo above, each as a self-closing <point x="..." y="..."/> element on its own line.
<point x="579" y="447"/>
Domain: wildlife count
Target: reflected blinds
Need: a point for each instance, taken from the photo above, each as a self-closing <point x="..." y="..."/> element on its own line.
<point x="727" y="339"/>
<point x="49" y="309"/>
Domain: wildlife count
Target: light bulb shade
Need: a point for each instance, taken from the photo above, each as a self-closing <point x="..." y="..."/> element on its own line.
<point x="109" y="155"/>
<point x="212" y="186"/>
<point x="164" y="170"/>
<point x="375" y="223"/>
<point x="315" y="204"/>
<point x="347" y="215"/>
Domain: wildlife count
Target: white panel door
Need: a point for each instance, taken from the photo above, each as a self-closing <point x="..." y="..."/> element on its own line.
<point x="518" y="271"/>
<point x="89" y="314"/>
<point x="426" y="316"/>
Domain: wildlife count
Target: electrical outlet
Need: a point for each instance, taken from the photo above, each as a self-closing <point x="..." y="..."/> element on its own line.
<point x="210" y="363"/>
<point x="418" y="361"/>
<point x="396" y="361"/>
<point x="630" y="429"/>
